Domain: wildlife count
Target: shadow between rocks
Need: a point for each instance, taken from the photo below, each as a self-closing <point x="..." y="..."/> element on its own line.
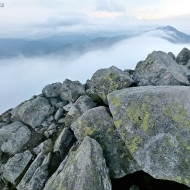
<point x="145" y="182"/>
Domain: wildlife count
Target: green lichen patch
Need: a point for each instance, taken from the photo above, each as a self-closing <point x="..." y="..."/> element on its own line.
<point x="139" y="114"/>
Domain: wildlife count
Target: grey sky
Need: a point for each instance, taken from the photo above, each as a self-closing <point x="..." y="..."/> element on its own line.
<point x="34" y="17"/>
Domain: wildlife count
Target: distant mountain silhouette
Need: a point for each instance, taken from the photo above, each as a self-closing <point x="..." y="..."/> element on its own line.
<point x="77" y="43"/>
<point x="173" y="35"/>
<point x="56" y="44"/>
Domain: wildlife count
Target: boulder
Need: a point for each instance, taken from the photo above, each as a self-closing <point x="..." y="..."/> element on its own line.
<point x="64" y="142"/>
<point x="98" y="124"/>
<point x="83" y="169"/>
<point x="5" y="118"/>
<point x="67" y="107"/>
<point x="105" y="81"/>
<point x="51" y="130"/>
<point x="13" y="137"/>
<point x="53" y="101"/>
<point x="32" y="112"/>
<point x="15" y="166"/>
<point x="129" y="72"/>
<point x="52" y="90"/>
<point x="159" y="69"/>
<point x="58" y="114"/>
<point x="82" y="104"/>
<point x="37" y="174"/>
<point x="183" y="56"/>
<point x="71" y="90"/>
<point x="44" y="148"/>
<point x="61" y="104"/>
<point x="172" y="55"/>
<point x="154" y="124"/>
<point x="188" y="64"/>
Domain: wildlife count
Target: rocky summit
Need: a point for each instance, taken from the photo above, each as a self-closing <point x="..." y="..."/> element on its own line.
<point x="122" y="130"/>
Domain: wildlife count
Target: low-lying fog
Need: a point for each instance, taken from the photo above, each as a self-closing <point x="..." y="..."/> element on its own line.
<point x="21" y="78"/>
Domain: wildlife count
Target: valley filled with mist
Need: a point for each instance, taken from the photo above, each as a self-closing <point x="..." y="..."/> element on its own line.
<point x="28" y="65"/>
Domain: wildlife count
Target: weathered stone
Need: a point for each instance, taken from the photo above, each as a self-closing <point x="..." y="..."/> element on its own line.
<point x="32" y="112"/>
<point x="105" y="81"/>
<point x="67" y="107"/>
<point x="58" y="114"/>
<point x="13" y="137"/>
<point x="44" y="147"/>
<point x="129" y="72"/>
<point x="64" y="142"/>
<point x="50" y="111"/>
<point x="183" y="56"/>
<point x="188" y="64"/>
<point x="5" y="118"/>
<point x="52" y="90"/>
<point x="15" y="166"/>
<point x="160" y="69"/>
<point x="71" y="90"/>
<point x="172" y="55"/>
<point x="51" y="130"/>
<point x="98" y="124"/>
<point x="83" y="169"/>
<point x="61" y="121"/>
<point x="47" y="122"/>
<point x="61" y="104"/>
<point x="37" y="174"/>
<point x="82" y="104"/>
<point x="72" y="116"/>
<point x="154" y="124"/>
<point x="53" y="101"/>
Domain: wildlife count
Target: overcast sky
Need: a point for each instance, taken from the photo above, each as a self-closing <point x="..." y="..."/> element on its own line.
<point x="21" y="78"/>
<point x="30" y="18"/>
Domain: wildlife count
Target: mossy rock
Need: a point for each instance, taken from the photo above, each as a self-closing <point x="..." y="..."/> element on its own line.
<point x="98" y="124"/>
<point x="105" y="81"/>
<point x="83" y="169"/>
<point x="154" y="123"/>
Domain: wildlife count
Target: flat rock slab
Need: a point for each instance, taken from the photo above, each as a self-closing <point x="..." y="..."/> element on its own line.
<point x="98" y="124"/>
<point x="32" y="112"/>
<point x="15" y="166"/>
<point x="83" y="169"/>
<point x="37" y="173"/>
<point x="154" y="123"/>
<point x="159" y="69"/>
<point x="13" y="137"/>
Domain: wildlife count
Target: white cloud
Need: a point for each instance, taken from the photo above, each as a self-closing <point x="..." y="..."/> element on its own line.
<point x="110" y="6"/>
<point x="21" y="78"/>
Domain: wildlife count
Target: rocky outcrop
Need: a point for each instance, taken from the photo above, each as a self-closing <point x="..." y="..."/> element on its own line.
<point x="32" y="112"/>
<point x="154" y="124"/>
<point x="52" y="90"/>
<point x="105" y="81"/>
<point x="15" y="166"/>
<point x="113" y="132"/>
<point x="64" y="142"/>
<point x="82" y="104"/>
<point x="172" y="55"/>
<point x="183" y="56"/>
<point x="98" y="124"/>
<point x="160" y="69"/>
<point x="37" y="174"/>
<point x="71" y="90"/>
<point x="13" y="137"/>
<point x="83" y="169"/>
